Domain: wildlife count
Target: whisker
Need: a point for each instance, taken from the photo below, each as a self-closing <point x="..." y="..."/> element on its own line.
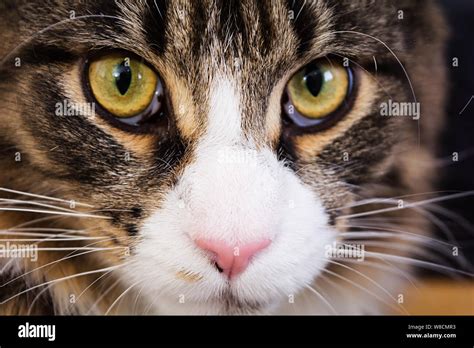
<point x="441" y="248"/>
<point x="385" y="291"/>
<point x="56" y="213"/>
<point x="413" y="249"/>
<point x="49" y="27"/>
<point x="37" y="297"/>
<point x="61" y="279"/>
<point x="92" y="284"/>
<point x="121" y="296"/>
<point x="398" y="234"/>
<point x="387" y="266"/>
<point x="466" y="224"/>
<point x="45" y="240"/>
<point x="417" y="262"/>
<point x="71" y="248"/>
<point x="322" y="298"/>
<point x="375" y="200"/>
<point x="361" y="288"/>
<point x="135" y="303"/>
<point x="103" y="295"/>
<point x="37" y="220"/>
<point x="39" y="204"/>
<point x="36" y="234"/>
<point x="44" y="197"/>
<point x="407" y="205"/>
<point x="67" y="257"/>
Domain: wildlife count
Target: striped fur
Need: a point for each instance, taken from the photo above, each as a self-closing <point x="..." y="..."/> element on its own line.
<point x="224" y="64"/>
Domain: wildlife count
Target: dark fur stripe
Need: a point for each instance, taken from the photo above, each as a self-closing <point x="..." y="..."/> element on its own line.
<point x="199" y="25"/>
<point x="303" y="23"/>
<point x="231" y="22"/>
<point x="266" y="29"/>
<point x="42" y="54"/>
<point x="82" y="142"/>
<point x="155" y="23"/>
<point x="365" y="152"/>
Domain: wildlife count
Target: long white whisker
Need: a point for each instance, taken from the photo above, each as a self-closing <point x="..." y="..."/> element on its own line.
<point x="37" y="234"/>
<point x="45" y="240"/>
<point x="421" y="263"/>
<point x="399" y="234"/>
<point x="375" y="200"/>
<point x="45" y="205"/>
<point x="121" y="296"/>
<point x="103" y="295"/>
<point x="64" y="249"/>
<point x="413" y="249"/>
<point x="56" y="213"/>
<point x="385" y="267"/>
<point x="361" y="288"/>
<point x="60" y="279"/>
<point x="407" y="205"/>
<point x="44" y="197"/>
<point x="385" y="291"/>
<point x="69" y="231"/>
<point x="322" y="298"/>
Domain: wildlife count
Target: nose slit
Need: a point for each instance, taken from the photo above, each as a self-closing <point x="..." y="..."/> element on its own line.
<point x="224" y="258"/>
<point x="216" y="265"/>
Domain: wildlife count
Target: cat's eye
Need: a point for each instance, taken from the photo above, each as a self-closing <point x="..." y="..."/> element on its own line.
<point x="316" y="95"/>
<point x="126" y="87"/>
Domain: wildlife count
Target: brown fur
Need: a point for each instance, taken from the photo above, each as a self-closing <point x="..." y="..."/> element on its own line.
<point x="87" y="164"/>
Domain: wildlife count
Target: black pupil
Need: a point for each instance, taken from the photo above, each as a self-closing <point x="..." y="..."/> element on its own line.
<point x="123" y="77"/>
<point x="314" y="80"/>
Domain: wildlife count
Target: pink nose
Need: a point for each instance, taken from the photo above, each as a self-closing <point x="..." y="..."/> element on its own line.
<point x="232" y="260"/>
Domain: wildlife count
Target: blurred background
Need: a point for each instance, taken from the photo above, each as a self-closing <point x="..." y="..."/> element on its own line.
<point x="458" y="135"/>
<point x="441" y="294"/>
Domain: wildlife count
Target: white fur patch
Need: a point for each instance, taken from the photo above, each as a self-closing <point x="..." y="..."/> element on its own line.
<point x="235" y="193"/>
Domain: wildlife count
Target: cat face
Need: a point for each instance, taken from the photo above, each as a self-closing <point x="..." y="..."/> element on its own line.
<point x="265" y="131"/>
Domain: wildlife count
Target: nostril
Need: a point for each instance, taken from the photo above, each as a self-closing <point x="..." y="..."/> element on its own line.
<point x="218" y="267"/>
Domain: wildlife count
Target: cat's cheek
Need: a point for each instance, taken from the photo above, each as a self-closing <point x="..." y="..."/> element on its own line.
<point x="297" y="255"/>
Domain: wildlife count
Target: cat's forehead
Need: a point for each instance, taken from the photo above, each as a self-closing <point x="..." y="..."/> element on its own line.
<point x="229" y="29"/>
<point x="234" y="49"/>
<point x="197" y="39"/>
<point x="260" y="32"/>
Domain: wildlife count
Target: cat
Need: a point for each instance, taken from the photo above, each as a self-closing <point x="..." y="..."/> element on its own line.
<point x="216" y="156"/>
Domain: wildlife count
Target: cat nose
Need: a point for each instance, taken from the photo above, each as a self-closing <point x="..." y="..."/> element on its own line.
<point x="231" y="260"/>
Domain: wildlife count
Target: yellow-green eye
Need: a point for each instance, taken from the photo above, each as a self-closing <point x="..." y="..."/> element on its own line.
<point x="125" y="87"/>
<point x="317" y="92"/>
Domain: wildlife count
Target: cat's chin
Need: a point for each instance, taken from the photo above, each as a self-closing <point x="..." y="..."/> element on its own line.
<point x="232" y="305"/>
<point x="227" y="304"/>
<point x="168" y="306"/>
